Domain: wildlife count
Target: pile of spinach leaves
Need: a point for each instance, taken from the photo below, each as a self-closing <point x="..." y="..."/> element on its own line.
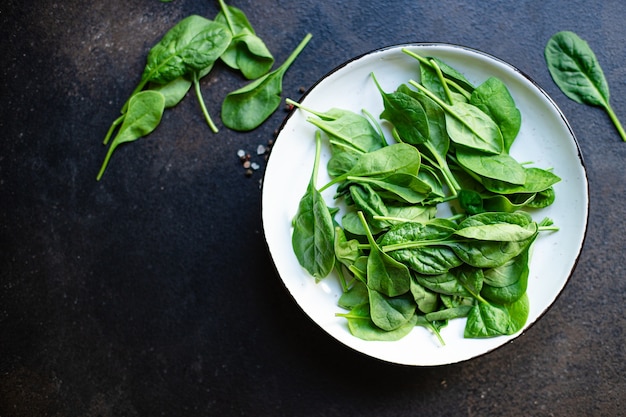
<point x="186" y="54"/>
<point x="400" y="264"/>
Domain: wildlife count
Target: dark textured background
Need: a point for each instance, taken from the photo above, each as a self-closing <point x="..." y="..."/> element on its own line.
<point x="151" y="292"/>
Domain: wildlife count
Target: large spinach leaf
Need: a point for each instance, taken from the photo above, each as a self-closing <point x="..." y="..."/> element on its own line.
<point x="577" y="72"/>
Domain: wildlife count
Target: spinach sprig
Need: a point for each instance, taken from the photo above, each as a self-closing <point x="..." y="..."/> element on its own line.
<point x="399" y="264"/>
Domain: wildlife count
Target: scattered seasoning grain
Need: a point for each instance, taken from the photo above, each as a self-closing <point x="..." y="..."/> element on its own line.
<point x="261" y="150"/>
<point x="301" y="89"/>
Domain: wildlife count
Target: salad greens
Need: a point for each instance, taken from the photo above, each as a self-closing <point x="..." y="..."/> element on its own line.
<point x="186" y="54"/>
<point x="399" y="263"/>
<point x="576" y="71"/>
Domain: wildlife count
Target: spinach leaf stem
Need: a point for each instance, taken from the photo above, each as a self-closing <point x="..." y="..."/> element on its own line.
<point x="227" y="16"/>
<point x="115" y="123"/>
<point x="446" y="81"/>
<point x="295" y="53"/>
<point x="205" y="112"/>
<point x="616" y="122"/>
<point x="420" y="244"/>
<point x="442" y="79"/>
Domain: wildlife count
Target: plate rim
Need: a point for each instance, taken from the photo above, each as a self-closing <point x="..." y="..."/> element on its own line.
<point x="511" y="67"/>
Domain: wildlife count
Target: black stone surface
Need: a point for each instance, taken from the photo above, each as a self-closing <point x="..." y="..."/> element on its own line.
<point x="151" y="293"/>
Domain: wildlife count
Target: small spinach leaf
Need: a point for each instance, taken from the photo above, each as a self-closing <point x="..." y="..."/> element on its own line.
<point x="143" y="115"/>
<point x="487" y="320"/>
<point x="246" y="108"/>
<point x="469" y="126"/>
<point x="361" y="325"/>
<point x="502" y="227"/>
<point x="406" y="114"/>
<point x="355" y="296"/>
<point x="313" y="235"/>
<point x="502" y="167"/>
<point x="246" y="52"/>
<point x="385" y="275"/>
<point x="390" y="313"/>
<point x="494" y="98"/>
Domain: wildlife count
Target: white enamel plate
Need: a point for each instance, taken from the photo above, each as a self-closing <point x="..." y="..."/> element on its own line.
<point x="545" y="138"/>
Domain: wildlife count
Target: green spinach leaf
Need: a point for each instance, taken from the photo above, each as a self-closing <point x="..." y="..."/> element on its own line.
<point x="577" y="72"/>
<point x="493" y="98"/>
<point x="469" y="126"/>
<point x="313" y="235"/>
<point x="246" y="108"/>
<point x="361" y="325"/>
<point x="143" y="115"/>
<point x="246" y="52"/>
<point x="192" y="45"/>
<point x="390" y="313"/>
<point x="385" y="275"/>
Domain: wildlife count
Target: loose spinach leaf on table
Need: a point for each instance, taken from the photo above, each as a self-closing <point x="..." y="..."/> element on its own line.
<point x="174" y="91"/>
<point x="246" y="52"/>
<point x="143" y="115"/>
<point x="192" y="45"/>
<point x="246" y="108"/>
<point x="576" y="70"/>
<point x="186" y="52"/>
